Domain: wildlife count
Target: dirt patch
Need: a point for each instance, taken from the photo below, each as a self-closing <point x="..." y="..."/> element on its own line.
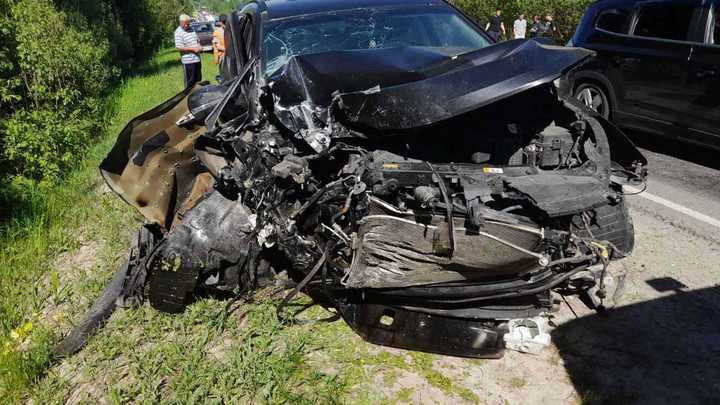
<point x="82" y="259"/>
<point x="62" y="280"/>
<point x="411" y="387"/>
<point x="219" y="350"/>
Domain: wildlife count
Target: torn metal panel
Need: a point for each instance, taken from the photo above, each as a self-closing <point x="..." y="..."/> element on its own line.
<point x="560" y="195"/>
<point x="152" y="165"/>
<point x="397" y="252"/>
<point x="315" y="77"/>
<point x="213" y="237"/>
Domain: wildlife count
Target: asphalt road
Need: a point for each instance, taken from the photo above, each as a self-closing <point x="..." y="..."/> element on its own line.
<point x="661" y="343"/>
<point x="683" y="186"/>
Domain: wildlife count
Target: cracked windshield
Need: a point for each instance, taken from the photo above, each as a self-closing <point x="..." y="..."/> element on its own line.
<point x="368" y="29"/>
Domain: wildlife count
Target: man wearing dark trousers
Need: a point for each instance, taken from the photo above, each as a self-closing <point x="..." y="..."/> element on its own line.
<point x="187" y="42"/>
<point x="495" y="26"/>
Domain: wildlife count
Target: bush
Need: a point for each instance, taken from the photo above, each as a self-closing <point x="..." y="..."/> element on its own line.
<point x="135" y="29"/>
<point x="9" y="82"/>
<point x="44" y="144"/>
<point x="61" y="65"/>
<point x="566" y="13"/>
<point x="58" y="62"/>
<point x="61" y="71"/>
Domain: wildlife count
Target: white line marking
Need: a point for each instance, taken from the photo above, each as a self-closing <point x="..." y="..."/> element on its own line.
<point x="677" y="207"/>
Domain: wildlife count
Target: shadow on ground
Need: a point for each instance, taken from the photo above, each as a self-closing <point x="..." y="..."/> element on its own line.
<point x="666" y="350"/>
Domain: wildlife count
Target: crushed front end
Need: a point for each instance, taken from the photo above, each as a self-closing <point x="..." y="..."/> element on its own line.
<point x="429" y="208"/>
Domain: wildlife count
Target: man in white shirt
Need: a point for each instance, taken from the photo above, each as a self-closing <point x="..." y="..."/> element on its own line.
<point x="187" y="42"/>
<point x="520" y="27"/>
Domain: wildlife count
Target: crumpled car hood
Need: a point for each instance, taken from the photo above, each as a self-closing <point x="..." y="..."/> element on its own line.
<point x="409" y="87"/>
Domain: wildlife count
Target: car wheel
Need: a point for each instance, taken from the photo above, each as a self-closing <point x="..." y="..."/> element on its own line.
<point x="594" y="97"/>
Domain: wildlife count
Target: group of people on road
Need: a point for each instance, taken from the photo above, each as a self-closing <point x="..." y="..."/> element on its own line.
<point x="188" y="44"/>
<point x="538" y="28"/>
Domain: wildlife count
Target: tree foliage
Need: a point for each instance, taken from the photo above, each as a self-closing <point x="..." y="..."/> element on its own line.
<point x="566" y="13"/>
<point x="217" y="6"/>
<point x="58" y="58"/>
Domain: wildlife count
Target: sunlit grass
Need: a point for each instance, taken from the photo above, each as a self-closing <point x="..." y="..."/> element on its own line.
<point x="60" y="219"/>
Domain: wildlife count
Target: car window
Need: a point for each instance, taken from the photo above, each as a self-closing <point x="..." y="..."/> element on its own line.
<point x="201" y="28"/>
<point x="614" y="20"/>
<point x="666" y="21"/>
<point x="368" y="29"/>
<point x="716" y="27"/>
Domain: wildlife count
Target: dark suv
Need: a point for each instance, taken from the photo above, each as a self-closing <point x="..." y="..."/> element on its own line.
<point x="386" y="158"/>
<point x="657" y="67"/>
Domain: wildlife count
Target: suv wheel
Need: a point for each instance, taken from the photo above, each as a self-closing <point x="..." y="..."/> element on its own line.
<point x="594" y="97"/>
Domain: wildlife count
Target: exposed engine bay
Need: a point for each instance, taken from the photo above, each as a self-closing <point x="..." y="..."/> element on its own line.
<point x="428" y="209"/>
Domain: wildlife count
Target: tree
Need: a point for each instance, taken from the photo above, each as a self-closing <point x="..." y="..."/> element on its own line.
<point x="566" y="13"/>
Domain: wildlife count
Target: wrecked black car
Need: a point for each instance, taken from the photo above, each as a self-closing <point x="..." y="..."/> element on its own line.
<point x="388" y="160"/>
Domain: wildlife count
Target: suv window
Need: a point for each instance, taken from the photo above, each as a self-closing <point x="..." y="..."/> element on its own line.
<point x="201" y="27"/>
<point x="614" y="20"/>
<point x="716" y="28"/>
<point x="666" y="21"/>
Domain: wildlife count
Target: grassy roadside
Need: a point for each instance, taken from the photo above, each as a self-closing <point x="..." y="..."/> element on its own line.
<point x="53" y="265"/>
<point x="36" y="300"/>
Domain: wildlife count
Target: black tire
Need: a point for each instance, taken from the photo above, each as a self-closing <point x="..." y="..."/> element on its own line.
<point x="610" y="223"/>
<point x="95" y="318"/>
<point x="594" y="97"/>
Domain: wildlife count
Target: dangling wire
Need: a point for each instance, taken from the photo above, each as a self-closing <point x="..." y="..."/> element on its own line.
<point x="318" y="265"/>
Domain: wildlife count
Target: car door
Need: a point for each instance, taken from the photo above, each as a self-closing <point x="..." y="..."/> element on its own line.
<point x="654" y="66"/>
<point x="235" y="53"/>
<point x="703" y="83"/>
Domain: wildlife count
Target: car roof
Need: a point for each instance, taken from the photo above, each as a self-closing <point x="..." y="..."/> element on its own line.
<point x="289" y="8"/>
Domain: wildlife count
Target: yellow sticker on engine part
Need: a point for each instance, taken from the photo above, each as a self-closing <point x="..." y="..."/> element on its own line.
<point x="391" y="165"/>
<point x="494" y="170"/>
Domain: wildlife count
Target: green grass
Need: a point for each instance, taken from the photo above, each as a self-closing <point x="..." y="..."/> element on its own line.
<point x="60" y="219"/>
<point x="55" y="262"/>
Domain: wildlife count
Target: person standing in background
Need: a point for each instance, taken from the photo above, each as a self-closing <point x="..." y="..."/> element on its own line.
<point x="187" y="42"/>
<point x="535" y="26"/>
<point x="495" y="27"/>
<point x="520" y="27"/>
<point x="547" y="27"/>
<point x="219" y="40"/>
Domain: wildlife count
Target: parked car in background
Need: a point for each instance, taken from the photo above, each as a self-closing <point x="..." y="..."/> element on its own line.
<point x="657" y="67"/>
<point x="204" y="32"/>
